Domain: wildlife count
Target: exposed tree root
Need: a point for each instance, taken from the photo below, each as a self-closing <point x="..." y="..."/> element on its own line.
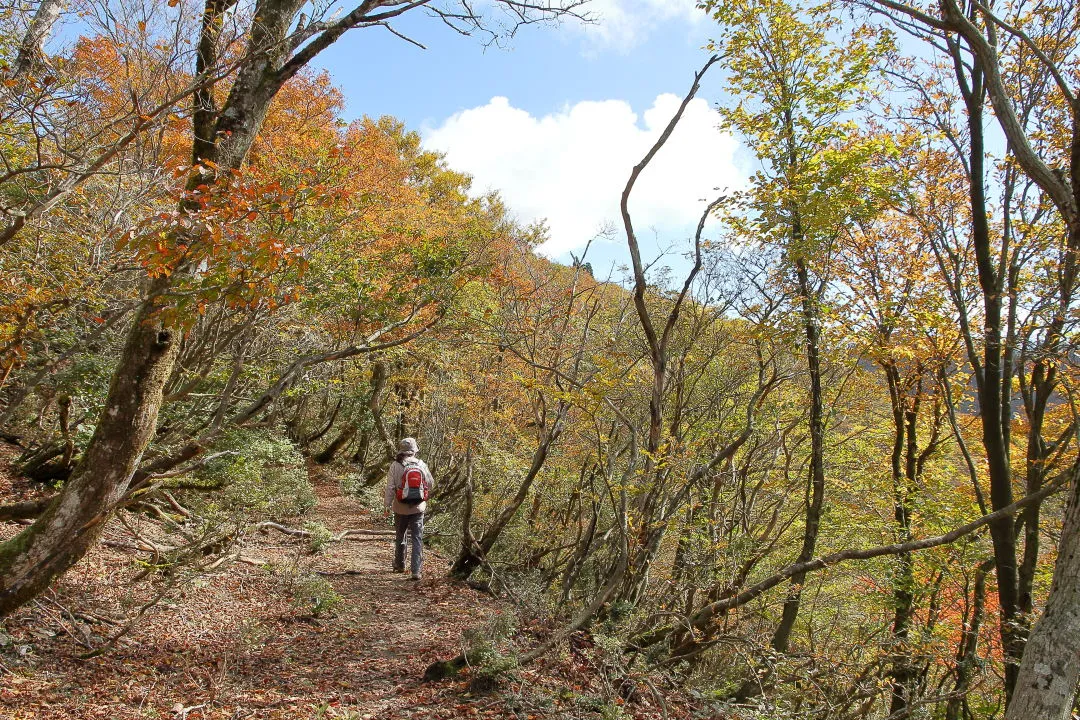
<point x="299" y="533"/>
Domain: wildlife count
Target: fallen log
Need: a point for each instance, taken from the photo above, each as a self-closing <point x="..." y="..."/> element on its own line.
<point x="264" y="527"/>
<point x="26" y="510"/>
<point x="364" y="533"/>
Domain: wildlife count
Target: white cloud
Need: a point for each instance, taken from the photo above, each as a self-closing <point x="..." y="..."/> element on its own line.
<point x="623" y="24"/>
<point x="570" y="167"/>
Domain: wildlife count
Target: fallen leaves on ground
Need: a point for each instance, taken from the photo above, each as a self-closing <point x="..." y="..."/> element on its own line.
<point x="232" y="644"/>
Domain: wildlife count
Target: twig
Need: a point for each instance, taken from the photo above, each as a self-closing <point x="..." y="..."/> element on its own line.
<point x="60" y="621"/>
<point x="264" y="526"/>
<point x="90" y="617"/>
<point x="142" y="547"/>
<point x="656" y="694"/>
<point x="327" y="573"/>
<point x="257" y="562"/>
<point x="154" y="547"/>
<point x="111" y="642"/>
<point x="184" y="713"/>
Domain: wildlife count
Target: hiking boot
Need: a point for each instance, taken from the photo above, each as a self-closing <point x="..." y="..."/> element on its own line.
<point x="399" y="570"/>
<point x="415" y="577"/>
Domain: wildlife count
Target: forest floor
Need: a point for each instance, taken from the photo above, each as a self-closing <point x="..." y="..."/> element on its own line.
<point x="234" y="643"/>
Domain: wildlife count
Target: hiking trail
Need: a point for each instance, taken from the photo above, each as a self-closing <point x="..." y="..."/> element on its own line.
<point x="231" y="645"/>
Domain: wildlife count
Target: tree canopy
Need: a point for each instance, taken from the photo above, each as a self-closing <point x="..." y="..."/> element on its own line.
<point x="825" y="465"/>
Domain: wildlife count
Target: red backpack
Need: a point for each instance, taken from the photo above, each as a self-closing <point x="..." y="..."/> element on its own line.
<point x="412" y="490"/>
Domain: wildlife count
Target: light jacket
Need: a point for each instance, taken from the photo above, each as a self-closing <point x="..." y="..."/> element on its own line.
<point x="393" y="482"/>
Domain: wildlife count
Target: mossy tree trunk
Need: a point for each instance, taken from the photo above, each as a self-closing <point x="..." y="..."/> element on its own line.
<point x="30" y="561"/>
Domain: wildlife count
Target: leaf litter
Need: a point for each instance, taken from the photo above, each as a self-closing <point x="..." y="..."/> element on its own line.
<point x="232" y="644"/>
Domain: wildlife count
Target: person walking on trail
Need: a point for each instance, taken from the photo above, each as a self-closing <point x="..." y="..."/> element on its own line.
<point x="408" y="486"/>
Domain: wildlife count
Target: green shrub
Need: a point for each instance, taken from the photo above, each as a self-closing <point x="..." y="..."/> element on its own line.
<point x="320" y="537"/>
<point x="351" y="483"/>
<point x="314" y="595"/>
<point x="369" y="496"/>
<point x="601" y="706"/>
<point x="489" y="664"/>
<point x="264" y="476"/>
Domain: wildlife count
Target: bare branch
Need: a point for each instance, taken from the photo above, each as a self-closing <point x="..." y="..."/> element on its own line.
<point x="631" y="237"/>
<point x="706" y="614"/>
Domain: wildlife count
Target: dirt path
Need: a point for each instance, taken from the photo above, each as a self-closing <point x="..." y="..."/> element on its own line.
<point x="234" y="646"/>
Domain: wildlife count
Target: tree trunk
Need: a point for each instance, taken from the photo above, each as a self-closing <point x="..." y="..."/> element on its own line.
<point x="993" y="377"/>
<point x="1050" y="668"/>
<point x="221" y="139"/>
<point x="317" y="434"/>
<point x="344" y="438"/>
<point x="30" y="53"/>
<point x="473" y="553"/>
<point x="905" y="476"/>
<point x="815" y="491"/>
<point x="967" y="653"/>
<point x="31" y="560"/>
<point x="25" y="510"/>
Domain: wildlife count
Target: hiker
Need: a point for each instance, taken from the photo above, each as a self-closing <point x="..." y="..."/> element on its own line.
<point x="408" y="486"/>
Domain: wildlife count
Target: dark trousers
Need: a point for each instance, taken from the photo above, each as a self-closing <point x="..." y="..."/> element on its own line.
<point x="409" y="527"/>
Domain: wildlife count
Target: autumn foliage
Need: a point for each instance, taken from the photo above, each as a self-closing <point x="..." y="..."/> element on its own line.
<point x="866" y="355"/>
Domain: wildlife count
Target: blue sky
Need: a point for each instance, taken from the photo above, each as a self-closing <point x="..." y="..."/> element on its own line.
<point x="556" y="119"/>
<point x="540" y="69"/>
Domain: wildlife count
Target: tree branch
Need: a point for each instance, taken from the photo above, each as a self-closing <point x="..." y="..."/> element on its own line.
<point x="703" y="617"/>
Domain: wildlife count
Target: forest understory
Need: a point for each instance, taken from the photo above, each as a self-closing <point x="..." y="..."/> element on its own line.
<point x="243" y="641"/>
